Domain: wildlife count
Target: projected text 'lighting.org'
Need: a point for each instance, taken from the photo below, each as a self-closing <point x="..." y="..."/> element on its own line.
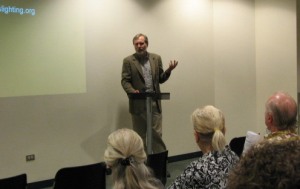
<point x="42" y="47"/>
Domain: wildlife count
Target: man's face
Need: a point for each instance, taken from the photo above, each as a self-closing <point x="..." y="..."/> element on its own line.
<point x="140" y="46"/>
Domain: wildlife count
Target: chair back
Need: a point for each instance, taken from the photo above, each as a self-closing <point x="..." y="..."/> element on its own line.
<point x="15" y="182"/>
<point x="158" y="163"/>
<point x="91" y="176"/>
<point x="237" y="145"/>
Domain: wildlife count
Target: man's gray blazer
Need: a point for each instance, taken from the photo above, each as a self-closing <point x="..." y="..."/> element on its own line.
<point x="133" y="79"/>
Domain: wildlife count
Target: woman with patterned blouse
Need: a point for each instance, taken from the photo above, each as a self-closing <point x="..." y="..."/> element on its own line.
<point x="211" y="170"/>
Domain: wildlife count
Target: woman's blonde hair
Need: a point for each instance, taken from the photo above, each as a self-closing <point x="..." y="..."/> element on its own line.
<point x="209" y="123"/>
<point x="126" y="156"/>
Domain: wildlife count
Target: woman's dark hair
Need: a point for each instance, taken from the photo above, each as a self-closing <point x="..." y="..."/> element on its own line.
<point x="268" y="165"/>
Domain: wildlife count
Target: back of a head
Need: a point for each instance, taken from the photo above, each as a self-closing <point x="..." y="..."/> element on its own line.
<point x="270" y="165"/>
<point x="126" y="156"/>
<point x="283" y="109"/>
<point x="209" y="123"/>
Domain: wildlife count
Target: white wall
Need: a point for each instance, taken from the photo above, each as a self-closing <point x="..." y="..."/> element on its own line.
<point x="234" y="59"/>
<point x="276" y="51"/>
<point x="225" y="59"/>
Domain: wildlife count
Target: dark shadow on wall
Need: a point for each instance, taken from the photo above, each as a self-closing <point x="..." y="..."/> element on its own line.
<point x="148" y="4"/>
<point x="95" y="144"/>
<point x="124" y="117"/>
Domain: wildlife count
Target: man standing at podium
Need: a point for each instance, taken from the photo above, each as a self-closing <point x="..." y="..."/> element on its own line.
<point x="143" y="72"/>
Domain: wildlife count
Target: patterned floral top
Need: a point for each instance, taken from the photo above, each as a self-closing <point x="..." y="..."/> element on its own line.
<point x="282" y="135"/>
<point x="209" y="171"/>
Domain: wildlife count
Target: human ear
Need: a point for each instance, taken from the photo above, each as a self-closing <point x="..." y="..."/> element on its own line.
<point x="196" y="136"/>
<point x="269" y="118"/>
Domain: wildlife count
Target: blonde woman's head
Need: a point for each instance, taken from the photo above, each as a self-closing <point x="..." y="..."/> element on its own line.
<point x="209" y="126"/>
<point x="126" y="157"/>
<point x="122" y="144"/>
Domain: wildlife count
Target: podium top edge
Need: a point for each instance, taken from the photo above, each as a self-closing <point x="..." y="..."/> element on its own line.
<point x="152" y="95"/>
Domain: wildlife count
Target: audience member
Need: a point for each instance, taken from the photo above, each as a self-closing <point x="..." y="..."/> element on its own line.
<point x="280" y="120"/>
<point x="210" y="170"/>
<point x="271" y="165"/>
<point x="126" y="157"/>
<point x="281" y="117"/>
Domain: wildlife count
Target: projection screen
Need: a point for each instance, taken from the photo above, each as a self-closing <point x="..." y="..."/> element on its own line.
<point x="42" y="47"/>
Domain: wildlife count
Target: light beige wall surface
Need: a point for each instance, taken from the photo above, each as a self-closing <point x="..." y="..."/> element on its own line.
<point x="231" y="54"/>
<point x="234" y="62"/>
<point x="276" y="52"/>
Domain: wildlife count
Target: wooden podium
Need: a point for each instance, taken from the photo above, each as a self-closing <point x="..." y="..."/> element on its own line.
<point x="149" y="98"/>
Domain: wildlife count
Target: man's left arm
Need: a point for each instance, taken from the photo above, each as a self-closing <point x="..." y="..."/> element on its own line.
<point x="164" y="75"/>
